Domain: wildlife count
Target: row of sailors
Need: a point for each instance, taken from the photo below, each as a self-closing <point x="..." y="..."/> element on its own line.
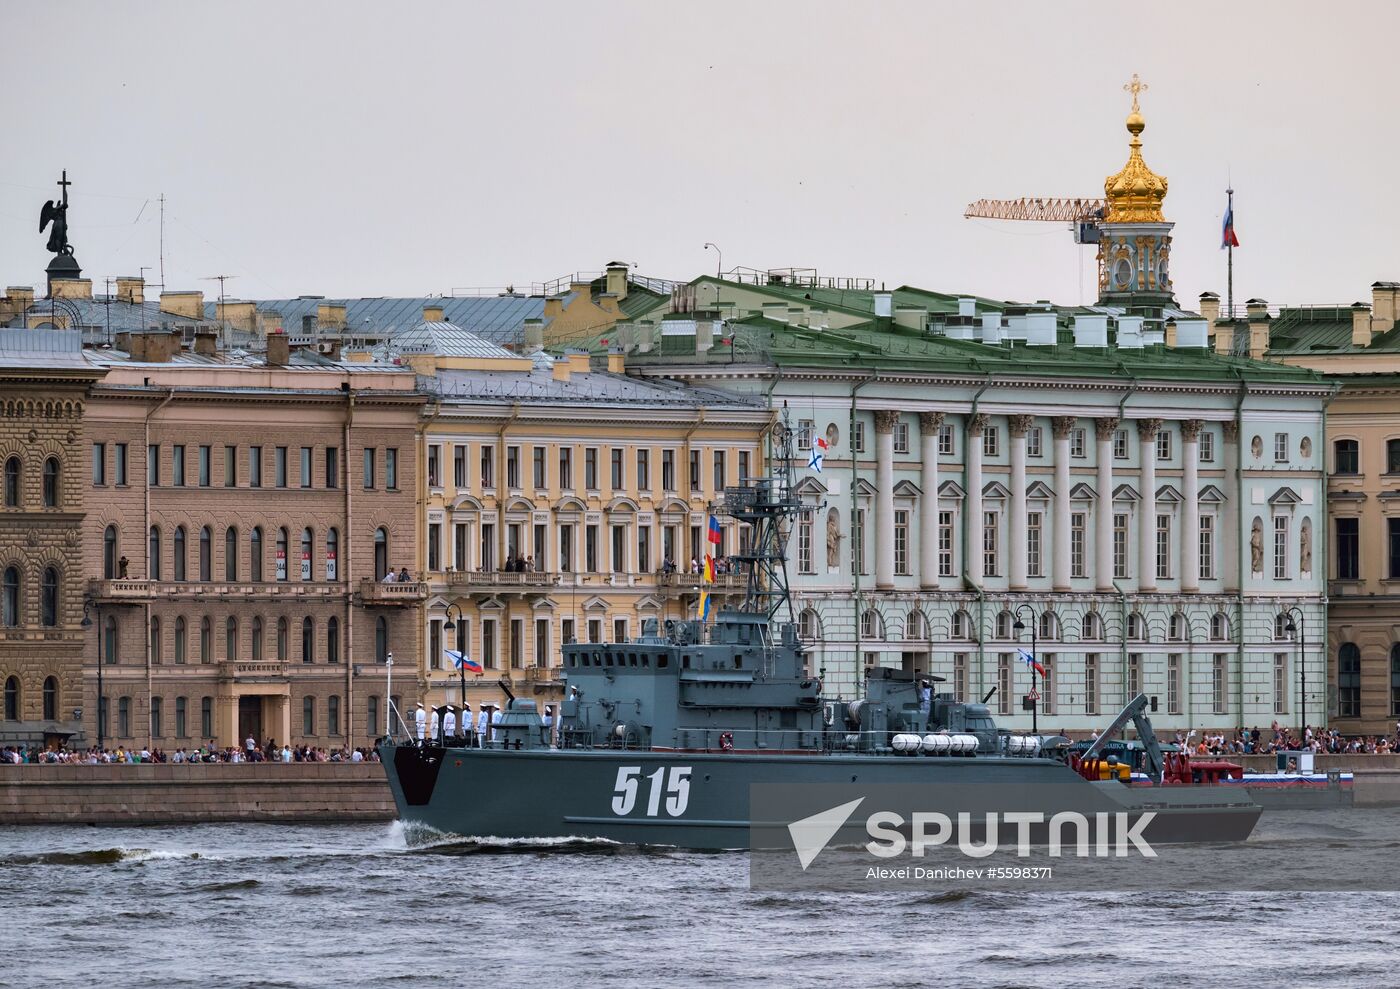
<point x="429" y="726"/>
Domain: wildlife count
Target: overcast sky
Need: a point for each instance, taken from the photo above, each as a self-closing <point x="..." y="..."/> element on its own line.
<point x="352" y="149"/>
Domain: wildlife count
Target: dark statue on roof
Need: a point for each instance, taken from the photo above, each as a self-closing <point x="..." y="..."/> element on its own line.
<point x="57" y="213"/>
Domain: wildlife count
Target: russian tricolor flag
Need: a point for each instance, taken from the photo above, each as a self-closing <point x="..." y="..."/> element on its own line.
<point x="461" y="661"/>
<point x="716" y="535"/>
<point x="1227" y="231"/>
<point x="1030" y="661"/>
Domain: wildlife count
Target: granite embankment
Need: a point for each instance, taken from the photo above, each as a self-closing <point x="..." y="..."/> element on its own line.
<point x="180" y="794"/>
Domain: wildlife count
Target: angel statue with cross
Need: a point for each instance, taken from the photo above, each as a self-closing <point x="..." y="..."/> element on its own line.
<point x="57" y="213"/>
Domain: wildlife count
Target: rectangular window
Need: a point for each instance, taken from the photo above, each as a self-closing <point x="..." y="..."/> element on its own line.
<point x="1076" y="443"/>
<point x="1164" y="444"/>
<point x="1120" y="444"/>
<point x="945" y="544"/>
<point x="989" y="442"/>
<point x="391" y="468"/>
<point x="513" y="467"/>
<point x="590" y="548"/>
<point x="806" y="433"/>
<point x="1004" y="683"/>
<point x="1348" y="549"/>
<point x="254" y="466"/>
<point x="1280" y="683"/>
<point x="1047" y="684"/>
<point x="1076" y="544"/>
<point x="1034" y="438"/>
<point x="901" y="437"/>
<point x="615" y="469"/>
<point x="566" y="468"/>
<point x="945" y="440"/>
<point x="230" y="466"/>
<point x="644" y="563"/>
<point x="537" y="460"/>
<point x="488" y="547"/>
<point x="435" y="656"/>
<point x="1033" y="544"/>
<point x="306" y="467"/>
<point x="1280" y="547"/>
<point x="369" y="467"/>
<point x="1218" y="683"/>
<point x="960" y="687"/>
<point x="542" y="643"/>
<point x="668" y="470"/>
<point x="517" y="643"/>
<point x="459" y="466"/>
<point x="1207" y="446"/>
<point x="120" y="463"/>
<point x="694" y="470"/>
<point x="721" y="471"/>
<point x="435" y="466"/>
<point x="204" y="457"/>
<point x="1280" y="448"/>
<point x="901" y="542"/>
<point x="99" y="463"/>
<point x="743" y="466"/>
<point x="332" y="467"/>
<point x="153" y="465"/>
<point x="1207" y="523"/>
<point x="566" y="548"/>
<point x="1091" y="684"/>
<point x="1164" y="546"/>
<point x="1134" y="683"/>
<point x="434" y="546"/>
<point x="1120" y="544"/>
<point x="1174" y="683"/>
<point x="488" y="643"/>
<point x="989" y="544"/>
<point x="858" y="543"/>
<point x="595" y="630"/>
<point x="619" y="630"/>
<point x="1392" y="526"/>
<point x="567" y="631"/>
<point x="279" y="467"/>
<point x="177" y="465"/>
<point x="619" y="549"/>
<point x="858" y="437"/>
<point x="643" y="471"/>
<point x="590" y="468"/>
<point x="805" y="560"/>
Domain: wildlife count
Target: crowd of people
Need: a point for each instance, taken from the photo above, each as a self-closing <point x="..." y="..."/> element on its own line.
<point x="250" y="751"/>
<point x="1279" y="738"/>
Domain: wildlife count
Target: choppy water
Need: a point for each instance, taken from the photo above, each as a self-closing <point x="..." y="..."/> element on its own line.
<point x="288" y="906"/>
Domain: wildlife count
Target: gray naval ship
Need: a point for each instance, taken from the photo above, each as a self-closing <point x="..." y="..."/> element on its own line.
<point x="660" y="738"/>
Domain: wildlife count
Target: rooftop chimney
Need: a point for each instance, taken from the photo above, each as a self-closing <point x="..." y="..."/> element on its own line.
<point x="560" y="369"/>
<point x="1210" y="306"/>
<point x="967" y="306"/>
<point x="1360" y="324"/>
<point x="1385" y="305"/>
<point x="913" y="317"/>
<point x="617" y="280"/>
<point x="1091" y="331"/>
<point x="1193" y="334"/>
<point x="617" y="361"/>
<point x="578" y="362"/>
<point x="1040" y="329"/>
<point x="187" y="304"/>
<point x="646" y="336"/>
<point x="206" y="342"/>
<point x="433" y="313"/>
<point x="991" y="329"/>
<point x="883" y="303"/>
<point x="278" y="351"/>
<point x="534" y="335"/>
<point x="331" y="315"/>
<point x="132" y="290"/>
<point x="1129" y="332"/>
<point x="70" y="288"/>
<point x="1224" y="336"/>
<point x="704" y="335"/>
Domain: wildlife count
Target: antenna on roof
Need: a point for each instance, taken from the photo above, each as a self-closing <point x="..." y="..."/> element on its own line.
<point x="220" y="279"/>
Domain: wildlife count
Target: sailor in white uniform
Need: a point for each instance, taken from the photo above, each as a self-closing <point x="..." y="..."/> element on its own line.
<point x="449" y="725"/>
<point x="548" y="720"/>
<point x="433" y="724"/>
<point x="483" y="725"/>
<point x="420" y="720"/>
<point x="467" y="724"/>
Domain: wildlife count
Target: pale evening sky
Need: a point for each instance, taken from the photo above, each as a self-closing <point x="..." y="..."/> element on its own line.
<point x="410" y="148"/>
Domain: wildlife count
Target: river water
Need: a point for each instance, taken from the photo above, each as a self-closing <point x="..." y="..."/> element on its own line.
<point x="232" y="905"/>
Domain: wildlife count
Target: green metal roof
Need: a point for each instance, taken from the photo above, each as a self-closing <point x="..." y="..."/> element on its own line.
<point x="1306" y="330"/>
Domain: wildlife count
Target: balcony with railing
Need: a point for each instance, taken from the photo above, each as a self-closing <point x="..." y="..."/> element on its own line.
<point x="131" y="591"/>
<point x="691" y="583"/>
<point x="393" y="592"/>
<point x="501" y="581"/>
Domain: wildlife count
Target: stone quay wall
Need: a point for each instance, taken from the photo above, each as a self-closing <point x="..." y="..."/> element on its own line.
<point x="190" y="794"/>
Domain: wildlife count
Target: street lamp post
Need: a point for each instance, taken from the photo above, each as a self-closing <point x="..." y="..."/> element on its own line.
<point x="1020" y="626"/>
<point x="719" y="265"/>
<point x="1297" y="627"/>
<point x="87" y="623"/>
<point x="449" y="625"/>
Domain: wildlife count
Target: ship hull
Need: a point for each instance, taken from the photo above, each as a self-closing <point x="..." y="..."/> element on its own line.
<point x="554" y="793"/>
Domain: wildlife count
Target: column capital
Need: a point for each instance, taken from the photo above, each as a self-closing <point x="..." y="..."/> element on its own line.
<point x="1231" y="430"/>
<point x="1191" y="428"/>
<point x="1020" y="424"/>
<point x="931" y="421"/>
<point x="1148" y="428"/>
<point x="1105" y="428"/>
<point x="977" y="425"/>
<point x="885" y="420"/>
<point x="1062" y="425"/>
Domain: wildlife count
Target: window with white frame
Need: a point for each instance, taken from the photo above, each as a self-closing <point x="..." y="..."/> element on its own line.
<point x="945" y="440"/>
<point x="989" y="442"/>
<point x="1091" y="684"/>
<point x="858" y="543"/>
<point x="1137" y="628"/>
<point x="1219" y="627"/>
<point x="1120" y="544"/>
<point x="1219" y="684"/>
<point x="901" y="437"/>
<point x="1076" y="443"/>
<point x="1005" y="622"/>
<point x="1280" y="683"/>
<point x="1047" y="683"/>
<point x="1176" y="627"/>
<point x="870" y="625"/>
<point x="901" y="542"/>
<point x="1134" y="675"/>
<point x="858" y="437"/>
<point x="1120" y="444"/>
<point x="1164" y="546"/>
<point x="1076" y="544"/>
<point x="1004" y="669"/>
<point x="1164" y="444"/>
<point x="960" y="676"/>
<point x="1033" y="530"/>
<point x="1034" y="440"/>
<point x="1207" y="544"/>
<point x="961" y="626"/>
<point x="1174" y="683"/>
<point x="915" y="626"/>
<point x="1280" y="448"/>
<point x="1207" y="446"/>
<point x="989" y="544"/>
<point x="1091" y="626"/>
<point x="1049" y="626"/>
<point x="805" y="561"/>
<point x="805" y="429"/>
<point x="945" y="544"/>
<point x="1280" y="547"/>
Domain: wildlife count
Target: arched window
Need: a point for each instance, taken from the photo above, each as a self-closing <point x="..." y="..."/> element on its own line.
<point x="257" y="638"/>
<point x="1005" y="621"/>
<point x="231" y="639"/>
<point x="915" y="627"/>
<point x="153" y="554"/>
<point x="179" y="561"/>
<point x="180" y="634"/>
<point x="48" y="598"/>
<point x="109" y="553"/>
<point x="111" y="648"/>
<point x="12" y="482"/>
<point x="332" y="715"/>
<point x="333" y="554"/>
<point x="281" y="640"/>
<point x="961" y="625"/>
<point x="1176" y="627"/>
<point x="206" y="640"/>
<point x="1349" y="681"/>
<point x="282" y="554"/>
<point x="206" y="564"/>
<point x="381" y="639"/>
<point x="381" y="552"/>
<point x="1091" y="626"/>
<point x="255" y="554"/>
<point x="308" y="640"/>
<point x="1346" y="457"/>
<point x="808" y="627"/>
<point x="1219" y="627"/>
<point x="51" y="698"/>
<point x="1281" y="626"/>
<point x="307" y="537"/>
<point x="1137" y="628"/>
<point x="333" y="640"/>
<point x="51" y="483"/>
<point x="231" y="553"/>
<point x="1049" y="626"/>
<point x="155" y="641"/>
<point x="9" y="606"/>
<point x="870" y="625"/>
<point x="156" y="705"/>
<point x="12" y="699"/>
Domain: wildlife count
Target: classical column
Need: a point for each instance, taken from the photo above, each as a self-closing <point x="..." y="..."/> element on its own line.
<point x="1103" y="505"/>
<point x="1061" y="426"/>
<point x="1147" y="511"/>
<point x="1017" y="522"/>
<point x="1191" y="506"/>
<point x="972" y="524"/>
<point x="929" y="425"/>
<point x="1232" y="537"/>
<point x="884" y="514"/>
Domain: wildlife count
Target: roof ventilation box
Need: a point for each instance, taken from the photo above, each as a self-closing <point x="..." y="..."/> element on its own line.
<point x="1129" y="332"/>
<point x="1091" y="331"/>
<point x="1040" y="329"/>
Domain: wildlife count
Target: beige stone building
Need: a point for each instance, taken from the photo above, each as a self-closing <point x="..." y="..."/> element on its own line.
<point x="241" y="512"/>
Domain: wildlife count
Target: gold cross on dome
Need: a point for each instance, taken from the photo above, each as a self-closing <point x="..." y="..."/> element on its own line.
<point x="1135" y="87"/>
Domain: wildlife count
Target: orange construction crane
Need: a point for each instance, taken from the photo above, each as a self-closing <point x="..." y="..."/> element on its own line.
<point x="1085" y="214"/>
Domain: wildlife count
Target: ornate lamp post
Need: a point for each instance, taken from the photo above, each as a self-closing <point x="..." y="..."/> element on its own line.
<point x="449" y="625"/>
<point x="1020" y="626"/>
<point x="1297" y="627"/>
<point x="87" y="623"/>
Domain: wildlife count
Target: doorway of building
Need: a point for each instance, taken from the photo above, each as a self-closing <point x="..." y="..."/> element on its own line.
<point x="250" y="711"/>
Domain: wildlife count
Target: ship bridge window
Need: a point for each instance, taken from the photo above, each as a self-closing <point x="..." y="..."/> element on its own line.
<point x="597" y="659"/>
<point x="738" y="662"/>
<point x="632" y="659"/>
<point x="685" y="661"/>
<point x="663" y="661"/>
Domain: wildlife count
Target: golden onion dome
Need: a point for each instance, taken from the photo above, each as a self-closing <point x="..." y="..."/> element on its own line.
<point x="1135" y="194"/>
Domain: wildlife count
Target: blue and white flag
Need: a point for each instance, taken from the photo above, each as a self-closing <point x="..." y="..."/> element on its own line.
<point x="818" y="454"/>
<point x="461" y="661"/>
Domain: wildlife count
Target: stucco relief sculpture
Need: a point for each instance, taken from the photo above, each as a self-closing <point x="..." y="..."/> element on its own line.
<point x="1256" y="547"/>
<point x="833" y="538"/>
